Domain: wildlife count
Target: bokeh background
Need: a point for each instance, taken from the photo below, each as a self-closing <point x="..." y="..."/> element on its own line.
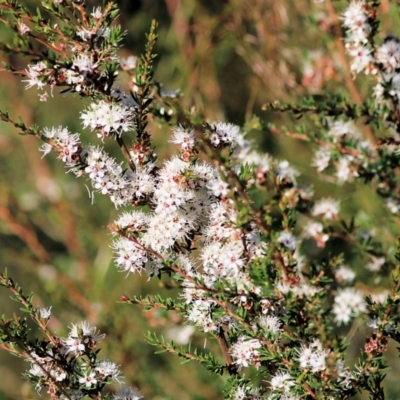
<point x="227" y="58"/>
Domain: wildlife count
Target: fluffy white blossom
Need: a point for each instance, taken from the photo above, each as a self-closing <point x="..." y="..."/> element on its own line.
<point x="129" y="256"/>
<point x="223" y="261"/>
<point x="286" y="172"/>
<point x="107" y="118"/>
<point x="97" y="13"/>
<point x="348" y="303"/>
<point x="245" y="352"/>
<point x="376" y="263"/>
<point x="282" y="382"/>
<point x="344" y="274"/>
<point x="45" y="313"/>
<point x="84" y="63"/>
<point x="62" y="141"/>
<point x="315" y="230"/>
<point x="270" y="323"/>
<point x="200" y="314"/>
<point x="339" y="128"/>
<point x="313" y="356"/>
<point x="225" y="133"/>
<point x="288" y="240"/>
<point x="106" y="369"/>
<point x="321" y="158"/>
<point x="110" y="179"/>
<point x="183" y="138"/>
<point x="36" y="74"/>
<point x="358" y="25"/>
<point x="166" y="229"/>
<point x="355" y="18"/>
<point x="88" y="379"/>
<point x="326" y="208"/>
<point x="128" y="63"/>
<point x="81" y="337"/>
<point x="134" y="221"/>
<point x="345" y="170"/>
<point x="128" y="394"/>
<point x="388" y="55"/>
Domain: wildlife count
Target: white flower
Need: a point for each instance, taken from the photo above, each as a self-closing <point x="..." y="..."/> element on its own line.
<point x="45" y="313"/>
<point x="128" y="394"/>
<point x="344" y="274"/>
<point x="339" y="128"/>
<point x="282" y="381"/>
<point x="200" y="314"/>
<point x="348" y="303"/>
<point x="107" y="369"/>
<point x="356" y="20"/>
<point x="128" y="63"/>
<point x="107" y="118"/>
<point x="240" y="393"/>
<point x="270" y="323"/>
<point x="58" y="374"/>
<point x="165" y="229"/>
<point x="321" y="158"/>
<point x="218" y="187"/>
<point x="64" y="142"/>
<point x="223" y="261"/>
<point x="245" y="352"/>
<point x="376" y="263"/>
<point x="37" y="370"/>
<point x="183" y="138"/>
<point x="388" y="54"/>
<point x="362" y="58"/>
<point x="129" y="256"/>
<point x="81" y="336"/>
<point x="393" y="205"/>
<point x="134" y="221"/>
<point x="288" y="240"/>
<point x="285" y="172"/>
<point x="36" y="74"/>
<point x="326" y="208"/>
<point x="315" y="230"/>
<point x="88" y="379"/>
<point x="344" y="170"/>
<point x="96" y="14"/>
<point x="84" y="63"/>
<point x="109" y="178"/>
<point x="170" y="197"/>
<point x="313" y="357"/>
<point x="84" y="34"/>
<point x="226" y="133"/>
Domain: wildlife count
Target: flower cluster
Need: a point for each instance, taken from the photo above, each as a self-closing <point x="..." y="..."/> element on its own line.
<point x="69" y="368"/>
<point x="382" y="61"/>
<point x="106" y="118"/>
<point x="357" y="19"/>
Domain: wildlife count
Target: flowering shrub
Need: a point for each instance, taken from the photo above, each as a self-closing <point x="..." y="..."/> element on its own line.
<point x="224" y="223"/>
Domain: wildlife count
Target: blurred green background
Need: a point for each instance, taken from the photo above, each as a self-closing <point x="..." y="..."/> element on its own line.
<point x="227" y="58"/>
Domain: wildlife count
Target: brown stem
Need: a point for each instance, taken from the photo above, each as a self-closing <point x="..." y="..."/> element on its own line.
<point x="225" y="351"/>
<point x="125" y="152"/>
